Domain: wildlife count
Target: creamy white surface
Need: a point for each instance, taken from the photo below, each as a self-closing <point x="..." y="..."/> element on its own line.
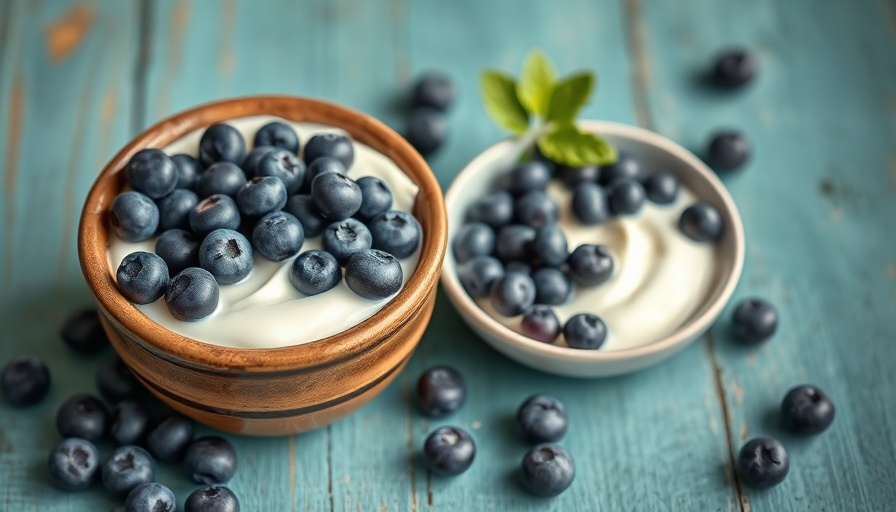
<point x="660" y="277"/>
<point x="265" y="310"/>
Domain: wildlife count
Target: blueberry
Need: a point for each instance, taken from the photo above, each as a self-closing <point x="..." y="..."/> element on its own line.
<point x="395" y="232"/>
<point x="83" y="332"/>
<point x="763" y="462"/>
<point x="426" y="130"/>
<point x="433" y="90"/>
<point x="589" y="204"/>
<point x="73" y="464"/>
<point x="528" y="176"/>
<point x="332" y="145"/>
<point x="250" y="163"/>
<point x="212" y="499"/>
<point x="495" y="209"/>
<point x="142" y="277"/>
<point x="552" y="286"/>
<point x="336" y="196"/>
<point x="662" y="188"/>
<point x="478" y="274"/>
<point x="625" y="196"/>
<point x="129" y="422"/>
<point x="302" y="208"/>
<point x="473" y="239"/>
<point x="82" y="416"/>
<point x="323" y="165"/>
<point x="221" y="178"/>
<point x="344" y="238"/>
<point x="542" y="419"/>
<point x="728" y="150"/>
<point x="278" y="134"/>
<point x="175" y="208"/>
<point x="188" y="171"/>
<point x="807" y="410"/>
<point x="518" y="266"/>
<point x="152" y="172"/>
<point x="590" y="265"/>
<point x="547" y="470"/>
<point x="261" y="196"/>
<point x="449" y="451"/>
<point x="701" y="222"/>
<point x="115" y="380"/>
<point x="127" y="467"/>
<point x="549" y="246"/>
<point x="221" y="143"/>
<point x="440" y="391"/>
<point x="585" y="331"/>
<point x="733" y="68"/>
<point x="150" y="497"/>
<point x="376" y="198"/>
<point x="25" y="380"/>
<point x="169" y="439"/>
<point x="541" y="323"/>
<point x="754" y="321"/>
<point x="315" y="272"/>
<point x="536" y="209"/>
<point x="227" y="255"/>
<point x="625" y="167"/>
<point x="282" y="164"/>
<point x="134" y="216"/>
<point x="211" y="460"/>
<point x="192" y="294"/>
<point x="514" y="242"/>
<point x="179" y="249"/>
<point x="573" y="176"/>
<point x="373" y="274"/>
<point x="513" y="294"/>
<point x="214" y="212"/>
<point x="278" y="236"/>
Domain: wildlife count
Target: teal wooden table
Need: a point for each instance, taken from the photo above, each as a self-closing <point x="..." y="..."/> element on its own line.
<point x="78" y="79"/>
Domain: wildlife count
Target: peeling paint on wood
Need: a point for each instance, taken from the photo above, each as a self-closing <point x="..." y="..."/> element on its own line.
<point x="66" y="34"/>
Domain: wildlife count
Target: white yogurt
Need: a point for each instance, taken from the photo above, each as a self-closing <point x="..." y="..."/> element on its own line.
<point x="265" y="310"/>
<point x="660" y="277"/>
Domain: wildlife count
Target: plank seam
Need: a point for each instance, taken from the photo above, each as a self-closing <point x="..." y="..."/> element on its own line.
<point x="636" y="43"/>
<point x="330" y="466"/>
<point x="141" y="68"/>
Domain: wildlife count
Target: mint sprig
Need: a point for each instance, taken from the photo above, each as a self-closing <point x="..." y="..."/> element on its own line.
<point x="540" y="101"/>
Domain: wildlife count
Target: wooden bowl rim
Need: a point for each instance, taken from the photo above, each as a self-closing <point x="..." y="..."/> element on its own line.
<point x="93" y="235"/>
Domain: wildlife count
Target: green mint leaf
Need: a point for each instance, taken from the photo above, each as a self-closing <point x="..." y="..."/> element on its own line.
<point x="570" y="146"/>
<point x="568" y="97"/>
<point x="536" y="83"/>
<point x="501" y="102"/>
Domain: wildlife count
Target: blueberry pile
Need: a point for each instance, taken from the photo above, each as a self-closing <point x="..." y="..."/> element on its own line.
<point x="213" y="214"/>
<point x="84" y="421"/>
<point x="432" y="96"/>
<point x="513" y="251"/>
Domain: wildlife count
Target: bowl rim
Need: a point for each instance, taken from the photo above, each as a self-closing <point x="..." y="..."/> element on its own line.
<point x="683" y="335"/>
<point x="93" y="234"/>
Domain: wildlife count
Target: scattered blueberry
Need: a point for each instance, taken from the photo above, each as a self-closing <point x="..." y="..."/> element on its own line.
<point x="590" y="265"/>
<point x="134" y="216"/>
<point x="754" y="321"/>
<point x="426" y="130"/>
<point x="373" y="274"/>
<point x="175" y="208"/>
<point x="547" y="470"/>
<point x="344" y="238"/>
<point x="221" y="143"/>
<point x="250" y="163"/>
<point x="152" y="172"/>
<point x="211" y="460"/>
<point x="728" y="150"/>
<point x="129" y="422"/>
<point x="278" y="134"/>
<point x="733" y="68"/>
<point x="536" y="209"/>
<point x="221" y="178"/>
<point x="573" y="176"/>
<point x="473" y="239"/>
<point x="25" y="380"/>
<point x="494" y="209"/>
<point x="142" y="277"/>
<point x="478" y="274"/>
<point x="807" y="410"/>
<point x="314" y="272"/>
<point x="214" y="212"/>
<point x="625" y="196"/>
<point x="589" y="204"/>
<point x="701" y="222"/>
<point x="169" y="439"/>
<point x="625" y="167"/>
<point x="192" y="294"/>
<point x="528" y="176"/>
<point x="73" y="464"/>
<point x="179" y="249"/>
<point x="151" y="497"/>
<point x="395" y="232"/>
<point x="449" y="451"/>
<point x="282" y="164"/>
<point x="552" y="286"/>
<point x="323" y="165"/>
<point x="513" y="294"/>
<point x="302" y="208"/>
<point x="212" y="499"/>
<point x="514" y="242"/>
<point x="188" y="171"/>
<point x="541" y="323"/>
<point x="376" y="198"/>
<point x="542" y="419"/>
<point x="433" y="90"/>
<point x="261" y="196"/>
<point x="661" y="188"/>
<point x="332" y="145"/>
<point x="83" y="332"/>
<point x="278" y="236"/>
<point x="227" y="255"/>
<point x="82" y="416"/>
<point x="336" y="196"/>
<point x="763" y="462"/>
<point x="585" y="331"/>
<point x="115" y="380"/>
<point x="549" y="246"/>
<point x="441" y="391"/>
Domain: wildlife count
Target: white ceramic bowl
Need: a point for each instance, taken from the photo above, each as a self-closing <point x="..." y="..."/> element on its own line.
<point x="653" y="151"/>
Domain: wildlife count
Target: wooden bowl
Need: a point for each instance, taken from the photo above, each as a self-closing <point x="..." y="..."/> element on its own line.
<point x="279" y="391"/>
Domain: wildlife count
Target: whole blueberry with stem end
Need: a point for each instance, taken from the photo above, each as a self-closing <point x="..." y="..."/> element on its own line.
<point x="331" y="145"/>
<point x="395" y="232"/>
<point x="25" y="380"/>
<point x="541" y="323"/>
<point x="542" y="419"/>
<point x="83" y="416"/>
<point x="151" y="497"/>
<point x="762" y="463"/>
<point x="441" y="391"/>
<point x="142" y="277"/>
<point x="212" y="499"/>
<point x="376" y="197"/>
<point x="192" y="294"/>
<point x="278" y="236"/>
<point x="277" y="134"/>
<point x="590" y="265"/>
<point x="585" y="331"/>
<point x="513" y="294"/>
<point x="127" y="467"/>
<point x="552" y="286"/>
<point x="733" y="68"/>
<point x="211" y="460"/>
<point x="134" y="216"/>
<point x="314" y="272"/>
<point x="478" y="274"/>
<point x="662" y="188"/>
<point x="283" y="165"/>
<point x="753" y="321"/>
<point x="373" y="274"/>
<point x="547" y="470"/>
<point x="536" y="209"/>
<point x="449" y="451"/>
<point x="221" y="143"/>
<point x="701" y="222"/>
<point x="152" y="172"/>
<point x="227" y="255"/>
<point x="217" y="211"/>
<point x="336" y="196"/>
<point x="807" y="410"/>
<point x="73" y="464"/>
